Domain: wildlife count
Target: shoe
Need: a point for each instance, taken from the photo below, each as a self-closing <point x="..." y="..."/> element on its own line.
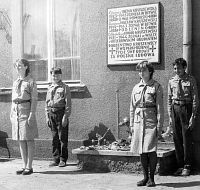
<point x="27" y="171"/>
<point x="150" y="183"/>
<point x="142" y="182"/>
<point x="62" y="164"/>
<point x="178" y="172"/>
<point x="53" y="164"/>
<point x="185" y="172"/>
<point x="18" y="172"/>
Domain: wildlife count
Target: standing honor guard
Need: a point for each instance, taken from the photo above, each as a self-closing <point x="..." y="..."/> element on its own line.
<point x="58" y="110"/>
<point x="146" y="120"/>
<point x="182" y="108"/>
<point x="23" y="118"/>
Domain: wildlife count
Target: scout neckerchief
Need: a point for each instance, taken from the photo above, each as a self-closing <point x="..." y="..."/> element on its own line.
<point x="142" y="98"/>
<point x="18" y="86"/>
<point x="55" y="86"/>
<point x="180" y="91"/>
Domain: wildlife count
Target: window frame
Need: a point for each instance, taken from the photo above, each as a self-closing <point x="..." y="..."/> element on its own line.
<point x="51" y="58"/>
<point x="17" y="49"/>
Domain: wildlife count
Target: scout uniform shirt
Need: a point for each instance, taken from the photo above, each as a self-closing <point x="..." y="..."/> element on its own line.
<point x="146" y="116"/>
<point x="58" y="97"/>
<point x="183" y="89"/>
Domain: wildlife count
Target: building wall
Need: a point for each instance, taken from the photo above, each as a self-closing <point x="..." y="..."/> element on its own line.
<point x="196" y="72"/>
<point x="102" y="81"/>
<point x="5" y="49"/>
<point x="97" y="106"/>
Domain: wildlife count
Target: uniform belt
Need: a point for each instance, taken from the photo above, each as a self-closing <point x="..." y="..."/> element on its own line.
<point x="145" y="106"/>
<point x="21" y="101"/>
<point x="181" y="102"/>
<point x="55" y="109"/>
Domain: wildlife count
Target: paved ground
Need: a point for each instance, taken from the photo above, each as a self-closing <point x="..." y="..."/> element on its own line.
<point x="71" y="178"/>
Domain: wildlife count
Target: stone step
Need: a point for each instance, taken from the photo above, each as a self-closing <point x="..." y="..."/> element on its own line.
<point x="123" y="161"/>
<point x="162" y="152"/>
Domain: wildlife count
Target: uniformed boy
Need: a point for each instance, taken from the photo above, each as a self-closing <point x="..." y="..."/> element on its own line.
<point x="182" y="109"/>
<point x="58" y="109"/>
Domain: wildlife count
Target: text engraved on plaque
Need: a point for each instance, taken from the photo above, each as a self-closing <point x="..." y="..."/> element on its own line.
<point x="133" y="34"/>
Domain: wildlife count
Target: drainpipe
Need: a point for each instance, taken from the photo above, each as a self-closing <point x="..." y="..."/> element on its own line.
<point x="187" y="33"/>
<point x="117" y="105"/>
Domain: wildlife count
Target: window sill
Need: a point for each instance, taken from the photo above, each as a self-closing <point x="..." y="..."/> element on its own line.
<point x="42" y="88"/>
<point x="74" y="87"/>
<point x="5" y="91"/>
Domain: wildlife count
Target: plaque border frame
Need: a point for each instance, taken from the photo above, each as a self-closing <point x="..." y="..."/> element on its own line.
<point x="159" y="33"/>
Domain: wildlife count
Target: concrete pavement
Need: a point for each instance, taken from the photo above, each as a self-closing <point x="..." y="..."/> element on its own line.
<point x="71" y="178"/>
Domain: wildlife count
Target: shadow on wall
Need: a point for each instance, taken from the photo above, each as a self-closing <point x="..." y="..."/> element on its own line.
<point x="74" y="94"/>
<point x="4" y="97"/>
<point x="102" y="132"/>
<point x="82" y="95"/>
<point x="3" y="141"/>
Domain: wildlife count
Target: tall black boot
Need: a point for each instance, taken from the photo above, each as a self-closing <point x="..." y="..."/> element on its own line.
<point x="145" y="162"/>
<point x="152" y="164"/>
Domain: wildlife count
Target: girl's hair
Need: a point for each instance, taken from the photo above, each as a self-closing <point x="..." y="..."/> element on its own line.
<point x="145" y="64"/>
<point x="25" y="62"/>
<point x="180" y="61"/>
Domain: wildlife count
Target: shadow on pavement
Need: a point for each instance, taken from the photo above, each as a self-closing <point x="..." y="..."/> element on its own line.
<point x="5" y="160"/>
<point x="181" y="184"/>
<point x="71" y="164"/>
<point x="3" y="141"/>
<point x="68" y="172"/>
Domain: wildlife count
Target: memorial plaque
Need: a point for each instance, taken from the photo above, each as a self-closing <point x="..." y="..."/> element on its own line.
<point x="133" y="34"/>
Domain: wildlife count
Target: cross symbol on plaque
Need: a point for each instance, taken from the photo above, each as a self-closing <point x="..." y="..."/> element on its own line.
<point x="112" y="50"/>
<point x="152" y="48"/>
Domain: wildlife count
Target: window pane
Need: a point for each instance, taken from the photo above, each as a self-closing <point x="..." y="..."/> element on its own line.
<point x="76" y="69"/>
<point x="35" y="29"/>
<point x="44" y="47"/>
<point x="65" y="65"/>
<point x="66" y="28"/>
<point x="39" y="70"/>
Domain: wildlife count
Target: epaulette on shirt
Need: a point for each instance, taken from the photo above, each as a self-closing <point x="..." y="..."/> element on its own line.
<point x="172" y="78"/>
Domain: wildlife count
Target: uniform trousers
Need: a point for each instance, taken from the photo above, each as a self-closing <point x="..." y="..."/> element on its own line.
<point x="182" y="134"/>
<point x="60" y="136"/>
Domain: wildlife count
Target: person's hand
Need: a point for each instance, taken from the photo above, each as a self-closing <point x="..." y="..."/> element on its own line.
<point x="170" y="121"/>
<point x="64" y="121"/>
<point x="191" y="123"/>
<point x="159" y="131"/>
<point x="132" y="130"/>
<point x="167" y="133"/>
<point x="48" y="123"/>
<point x="31" y="118"/>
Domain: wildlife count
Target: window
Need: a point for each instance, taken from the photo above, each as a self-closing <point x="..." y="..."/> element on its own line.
<point x="51" y="38"/>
